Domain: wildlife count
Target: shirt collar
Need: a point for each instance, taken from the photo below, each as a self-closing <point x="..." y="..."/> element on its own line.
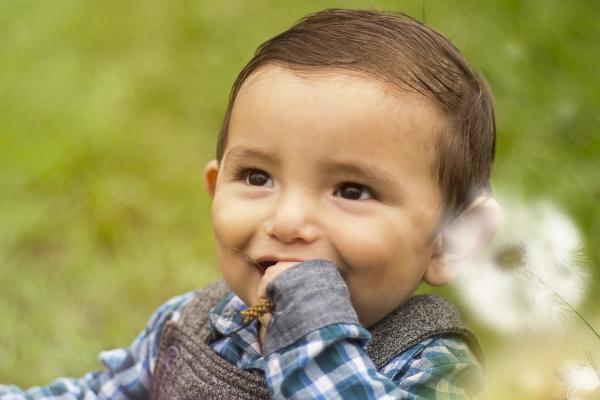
<point x="225" y="317"/>
<point x="227" y="321"/>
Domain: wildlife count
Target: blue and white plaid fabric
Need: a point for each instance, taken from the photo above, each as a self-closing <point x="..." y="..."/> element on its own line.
<point x="328" y="363"/>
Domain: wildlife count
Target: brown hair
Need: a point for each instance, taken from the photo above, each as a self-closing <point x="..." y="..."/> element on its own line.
<point x="404" y="53"/>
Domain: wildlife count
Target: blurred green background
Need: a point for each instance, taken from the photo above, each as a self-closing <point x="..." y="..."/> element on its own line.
<point x="109" y="111"/>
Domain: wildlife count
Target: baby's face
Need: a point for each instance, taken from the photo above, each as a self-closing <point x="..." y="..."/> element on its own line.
<point x="328" y="166"/>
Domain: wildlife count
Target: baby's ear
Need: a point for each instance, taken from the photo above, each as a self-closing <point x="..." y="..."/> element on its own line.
<point x="462" y="240"/>
<point x="211" y="171"/>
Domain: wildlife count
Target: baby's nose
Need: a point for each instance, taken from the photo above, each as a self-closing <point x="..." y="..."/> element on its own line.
<point x="293" y="218"/>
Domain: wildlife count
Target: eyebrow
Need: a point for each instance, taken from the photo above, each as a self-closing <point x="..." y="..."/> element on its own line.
<point x="365" y="170"/>
<point x="250" y="153"/>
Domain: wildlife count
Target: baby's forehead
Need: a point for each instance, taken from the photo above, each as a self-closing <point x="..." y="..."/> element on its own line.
<point x="269" y="75"/>
<point x="341" y="112"/>
<point x="318" y="82"/>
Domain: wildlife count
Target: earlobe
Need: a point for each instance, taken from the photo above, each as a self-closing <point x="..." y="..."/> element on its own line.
<point x="440" y="271"/>
<point x="211" y="171"/>
<point x="463" y="240"/>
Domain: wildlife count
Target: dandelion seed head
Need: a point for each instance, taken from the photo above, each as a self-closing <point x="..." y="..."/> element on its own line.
<point x="532" y="267"/>
<point x="510" y="257"/>
<point x="494" y="290"/>
<point x="558" y="231"/>
<point x="579" y="376"/>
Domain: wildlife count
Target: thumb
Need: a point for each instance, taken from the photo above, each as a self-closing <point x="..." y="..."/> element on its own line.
<point x="265" y="319"/>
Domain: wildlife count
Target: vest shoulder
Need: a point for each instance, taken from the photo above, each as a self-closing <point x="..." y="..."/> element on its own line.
<point x="418" y="318"/>
<point x="195" y="313"/>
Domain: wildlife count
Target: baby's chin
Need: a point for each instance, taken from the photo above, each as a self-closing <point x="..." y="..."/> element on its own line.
<point x="370" y="315"/>
<point x="246" y="287"/>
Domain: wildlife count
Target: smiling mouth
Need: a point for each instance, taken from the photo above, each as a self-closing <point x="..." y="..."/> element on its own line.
<point x="266" y="264"/>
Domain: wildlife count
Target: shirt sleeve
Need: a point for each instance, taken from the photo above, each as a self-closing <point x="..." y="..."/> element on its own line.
<point x="319" y="357"/>
<point x="127" y="370"/>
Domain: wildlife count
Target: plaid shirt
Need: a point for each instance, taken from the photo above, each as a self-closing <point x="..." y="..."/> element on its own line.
<point x="328" y="363"/>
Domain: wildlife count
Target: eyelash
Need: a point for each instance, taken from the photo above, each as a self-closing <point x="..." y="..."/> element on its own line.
<point x="241" y="174"/>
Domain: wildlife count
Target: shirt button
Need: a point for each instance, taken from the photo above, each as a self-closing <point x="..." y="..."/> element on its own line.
<point x="171" y="356"/>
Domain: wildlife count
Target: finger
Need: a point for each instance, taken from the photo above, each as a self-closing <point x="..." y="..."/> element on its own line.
<point x="270" y="274"/>
<point x="262" y="336"/>
<point x="265" y="319"/>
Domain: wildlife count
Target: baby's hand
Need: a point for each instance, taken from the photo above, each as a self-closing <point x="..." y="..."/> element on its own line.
<point x="299" y="297"/>
<point x="270" y="274"/>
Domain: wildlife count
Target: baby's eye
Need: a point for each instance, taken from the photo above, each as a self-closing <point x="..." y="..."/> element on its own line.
<point x="354" y="191"/>
<point x="256" y="177"/>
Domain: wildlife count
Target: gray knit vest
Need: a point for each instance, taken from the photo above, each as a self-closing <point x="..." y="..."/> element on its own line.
<point x="188" y="369"/>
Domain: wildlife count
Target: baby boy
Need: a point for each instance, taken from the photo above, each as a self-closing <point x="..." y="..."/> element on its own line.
<point x="356" y="148"/>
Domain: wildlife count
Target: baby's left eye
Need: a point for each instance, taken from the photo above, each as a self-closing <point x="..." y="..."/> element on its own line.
<point x="354" y="191"/>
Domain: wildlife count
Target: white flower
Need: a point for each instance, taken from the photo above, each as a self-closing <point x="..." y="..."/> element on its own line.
<point x="579" y="376"/>
<point x="532" y="268"/>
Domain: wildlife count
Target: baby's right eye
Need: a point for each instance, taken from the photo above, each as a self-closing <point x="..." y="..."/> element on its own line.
<point x="256" y="177"/>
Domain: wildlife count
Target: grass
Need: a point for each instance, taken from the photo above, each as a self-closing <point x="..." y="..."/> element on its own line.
<point x="111" y="109"/>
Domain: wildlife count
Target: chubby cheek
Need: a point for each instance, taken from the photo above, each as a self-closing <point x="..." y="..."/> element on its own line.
<point x="370" y="247"/>
<point x="226" y="224"/>
<point x="233" y="228"/>
<point x="383" y="265"/>
<point x="234" y="221"/>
